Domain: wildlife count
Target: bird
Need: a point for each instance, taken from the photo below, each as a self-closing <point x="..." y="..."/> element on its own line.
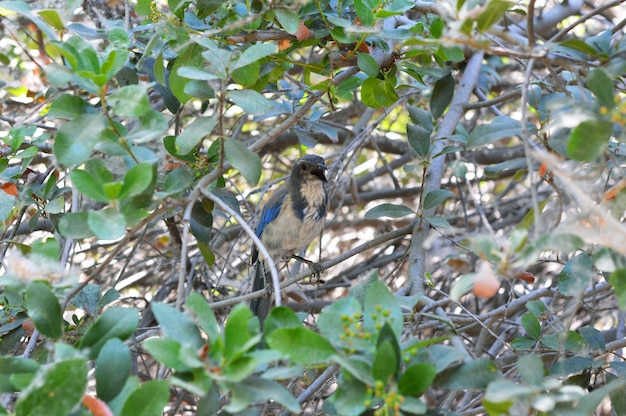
<point x="290" y="220"/>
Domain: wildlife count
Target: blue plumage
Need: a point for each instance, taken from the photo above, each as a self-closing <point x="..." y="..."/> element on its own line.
<point x="291" y="219"/>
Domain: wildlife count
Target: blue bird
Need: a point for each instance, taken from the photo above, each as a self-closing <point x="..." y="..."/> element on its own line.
<point x="290" y="220"/>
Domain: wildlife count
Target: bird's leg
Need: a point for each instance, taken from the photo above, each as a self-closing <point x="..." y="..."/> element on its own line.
<point x="316" y="268"/>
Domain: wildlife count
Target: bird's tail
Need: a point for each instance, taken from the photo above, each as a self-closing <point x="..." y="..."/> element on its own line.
<point x="261" y="306"/>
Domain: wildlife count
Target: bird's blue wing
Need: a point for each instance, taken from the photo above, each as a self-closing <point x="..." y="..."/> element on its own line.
<point x="270" y="212"/>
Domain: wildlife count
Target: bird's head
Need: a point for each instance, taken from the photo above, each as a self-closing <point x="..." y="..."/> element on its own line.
<point x="309" y="167"/>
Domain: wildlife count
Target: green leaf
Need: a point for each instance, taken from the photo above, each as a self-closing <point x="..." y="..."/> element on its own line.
<point x="531" y="325"/>
<point x="55" y="390"/>
<point x="385" y="362"/>
<point x="536" y="307"/>
<point x="52" y="18"/>
<point x="367" y="64"/>
<point x="44" y="309"/>
<point x="76" y="139"/>
<point x="255" y="53"/>
<point x="350" y="396"/>
<point x="377" y="93"/>
<point x="389" y="210"/>
<point x="414" y="406"/>
<point x="113" y="367"/>
<point x="421" y="117"/>
<point x="250" y="101"/>
<point x="174" y="355"/>
<point x="453" y="53"/>
<point x="194" y="73"/>
<point x="568" y="340"/>
<point x="288" y="19"/>
<point x="177" y="326"/>
<point x="506" y="391"/>
<point x="107" y="224"/>
<point x="7" y="205"/>
<point x="147" y="400"/>
<point x="381" y="307"/>
<point x="199" y="308"/>
<point x="301" y="345"/>
<point x="281" y="317"/>
<point x="436" y="27"/>
<point x="419" y="139"/>
<point x="88" y="298"/>
<point x="531" y="370"/>
<point x="445" y="355"/>
<point x="471" y="375"/>
<point x="589" y="139"/>
<point x="523" y="343"/>
<point x="332" y="321"/>
<point x="190" y="57"/>
<point x="239" y="335"/>
<point x="437" y="221"/>
<point x="576" y="275"/>
<point x="88" y="185"/>
<point x="247" y="75"/>
<point x="129" y="101"/>
<point x="194" y="133"/>
<point x="442" y="95"/>
<point x="500" y="128"/>
<point x="618" y="281"/>
<point x="491" y="14"/>
<point x="590" y="403"/>
<point x="177" y="180"/>
<point x="137" y="180"/>
<point x="67" y="107"/>
<point x="571" y="365"/>
<point x="436" y="197"/>
<point x="578" y="45"/>
<point x="113" y="323"/>
<point x="244" y="160"/>
<point x="74" y="225"/>
<point x="23" y="8"/>
<point x="14" y="365"/>
<point x="259" y="390"/>
<point x="602" y="87"/>
<point x="364" y="11"/>
<point x="417" y="379"/>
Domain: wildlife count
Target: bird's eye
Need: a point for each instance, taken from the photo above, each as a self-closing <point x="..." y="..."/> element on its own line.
<point x="303" y="166"/>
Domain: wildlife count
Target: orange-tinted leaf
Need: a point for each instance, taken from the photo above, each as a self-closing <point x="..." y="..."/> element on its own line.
<point x="612" y="193"/>
<point x="302" y="33"/>
<point x="284" y="44"/>
<point x="9" y="188"/>
<point x="96" y="406"/>
<point x="543" y="169"/>
<point x="28" y="327"/>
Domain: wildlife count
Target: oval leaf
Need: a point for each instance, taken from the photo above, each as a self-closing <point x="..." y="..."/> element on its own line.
<point x="193" y="133"/>
<point x="589" y="139"/>
<point x="113" y="323"/>
<point x="147" y="400"/>
<point x="54" y="391"/>
<point x="44" y="309"/>
<point x="176" y="325"/>
<point x="389" y="210"/>
<point x="500" y="128"/>
<point x="436" y="197"/>
<point x="77" y="138"/>
<point x="112" y="369"/>
<point x="107" y="224"/>
<point x="250" y="101"/>
<point x="301" y="345"/>
<point x="576" y="275"/>
<point x="244" y="160"/>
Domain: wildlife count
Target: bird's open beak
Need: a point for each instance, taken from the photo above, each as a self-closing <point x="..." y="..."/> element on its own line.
<point x="319" y="171"/>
